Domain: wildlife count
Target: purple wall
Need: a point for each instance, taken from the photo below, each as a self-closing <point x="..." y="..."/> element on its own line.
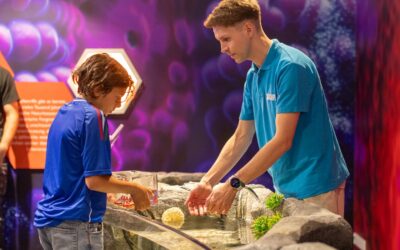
<point x="192" y="95"/>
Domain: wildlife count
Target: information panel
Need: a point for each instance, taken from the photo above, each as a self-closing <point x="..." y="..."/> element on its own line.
<point x="39" y="104"/>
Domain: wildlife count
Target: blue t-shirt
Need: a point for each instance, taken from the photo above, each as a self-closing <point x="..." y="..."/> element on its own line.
<point x="78" y="146"/>
<point x="287" y="82"/>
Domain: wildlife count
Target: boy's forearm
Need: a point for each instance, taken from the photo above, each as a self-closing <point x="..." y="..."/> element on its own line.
<point x="110" y="184"/>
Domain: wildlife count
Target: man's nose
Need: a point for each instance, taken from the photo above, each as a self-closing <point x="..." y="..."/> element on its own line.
<point x="224" y="49"/>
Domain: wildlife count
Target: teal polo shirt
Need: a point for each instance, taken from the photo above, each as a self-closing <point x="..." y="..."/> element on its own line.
<point x="288" y="82"/>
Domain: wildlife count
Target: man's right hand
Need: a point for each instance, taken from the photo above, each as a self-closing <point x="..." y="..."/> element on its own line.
<point x="196" y="200"/>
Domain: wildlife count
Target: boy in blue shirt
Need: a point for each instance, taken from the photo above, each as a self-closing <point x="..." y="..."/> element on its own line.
<point x="285" y="106"/>
<point x="77" y="174"/>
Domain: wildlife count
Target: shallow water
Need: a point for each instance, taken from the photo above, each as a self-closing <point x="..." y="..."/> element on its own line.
<point x="216" y="233"/>
<point x="196" y="233"/>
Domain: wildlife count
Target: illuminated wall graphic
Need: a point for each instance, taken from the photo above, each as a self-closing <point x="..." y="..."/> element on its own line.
<point x="121" y="56"/>
<point x="377" y="169"/>
<point x="191" y="96"/>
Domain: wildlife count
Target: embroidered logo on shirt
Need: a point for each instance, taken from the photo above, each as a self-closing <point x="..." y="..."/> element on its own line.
<point x="271" y="97"/>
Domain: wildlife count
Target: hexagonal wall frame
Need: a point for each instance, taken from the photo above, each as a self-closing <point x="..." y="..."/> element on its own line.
<point x="121" y="56"/>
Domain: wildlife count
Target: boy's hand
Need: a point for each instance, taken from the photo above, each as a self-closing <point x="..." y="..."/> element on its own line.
<point x="141" y="197"/>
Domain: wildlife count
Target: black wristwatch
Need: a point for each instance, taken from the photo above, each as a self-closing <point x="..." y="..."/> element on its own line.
<point x="236" y="183"/>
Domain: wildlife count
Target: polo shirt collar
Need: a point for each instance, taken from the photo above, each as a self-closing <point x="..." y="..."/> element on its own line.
<point x="269" y="58"/>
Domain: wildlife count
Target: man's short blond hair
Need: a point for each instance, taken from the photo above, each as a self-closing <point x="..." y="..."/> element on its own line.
<point x="230" y="12"/>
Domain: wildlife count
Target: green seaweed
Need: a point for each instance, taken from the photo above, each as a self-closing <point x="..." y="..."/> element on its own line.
<point x="262" y="224"/>
<point x="274" y="201"/>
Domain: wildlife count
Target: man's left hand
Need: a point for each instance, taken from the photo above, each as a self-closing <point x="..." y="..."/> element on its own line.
<point x="221" y="198"/>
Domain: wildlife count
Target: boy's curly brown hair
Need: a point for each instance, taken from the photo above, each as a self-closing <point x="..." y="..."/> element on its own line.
<point x="230" y="12"/>
<point x="100" y="73"/>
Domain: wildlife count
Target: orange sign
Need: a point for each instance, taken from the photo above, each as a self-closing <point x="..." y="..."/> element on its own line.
<point x="39" y="104"/>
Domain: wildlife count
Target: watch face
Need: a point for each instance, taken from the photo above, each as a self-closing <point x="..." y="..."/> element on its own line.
<point x="235" y="182"/>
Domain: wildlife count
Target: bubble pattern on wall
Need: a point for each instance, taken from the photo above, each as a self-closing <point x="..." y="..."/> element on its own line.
<point x="192" y="94"/>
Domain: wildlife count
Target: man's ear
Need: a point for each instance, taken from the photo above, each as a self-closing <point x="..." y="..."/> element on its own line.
<point x="249" y="27"/>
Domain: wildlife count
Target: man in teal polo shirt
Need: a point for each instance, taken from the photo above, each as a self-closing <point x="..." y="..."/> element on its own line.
<point x="285" y="106"/>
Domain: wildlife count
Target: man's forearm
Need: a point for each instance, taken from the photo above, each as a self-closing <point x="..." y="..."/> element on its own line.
<point x="262" y="161"/>
<point x="286" y="124"/>
<point x="231" y="153"/>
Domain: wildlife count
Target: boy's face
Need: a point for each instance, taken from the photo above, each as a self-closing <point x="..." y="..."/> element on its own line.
<point x="108" y="102"/>
<point x="234" y="41"/>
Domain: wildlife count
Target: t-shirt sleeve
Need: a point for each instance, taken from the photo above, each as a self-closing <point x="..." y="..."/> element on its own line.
<point x="8" y="89"/>
<point x="295" y="85"/>
<point x="246" y="112"/>
<point x="96" y="152"/>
